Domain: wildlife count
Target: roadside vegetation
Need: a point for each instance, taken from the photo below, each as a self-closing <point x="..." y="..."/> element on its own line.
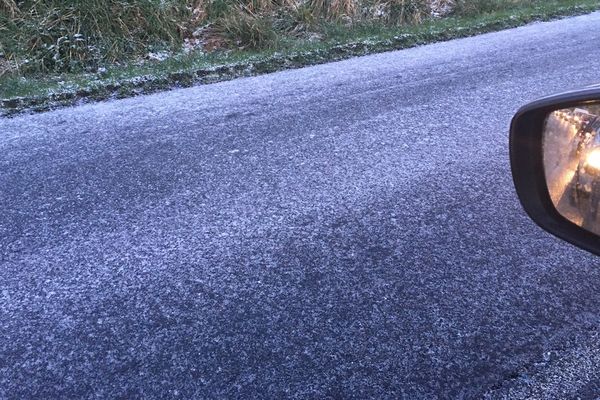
<point x="53" y="46"/>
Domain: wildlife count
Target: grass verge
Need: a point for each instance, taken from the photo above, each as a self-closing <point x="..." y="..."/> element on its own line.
<point x="42" y="93"/>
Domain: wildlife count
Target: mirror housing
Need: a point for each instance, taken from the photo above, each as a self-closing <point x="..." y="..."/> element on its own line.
<point x="527" y="164"/>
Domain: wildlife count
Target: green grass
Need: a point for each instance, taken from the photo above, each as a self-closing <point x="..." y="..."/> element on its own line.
<point x="337" y="40"/>
<point x="78" y="35"/>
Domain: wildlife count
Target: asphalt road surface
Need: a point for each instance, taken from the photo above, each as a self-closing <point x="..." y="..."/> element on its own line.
<point x="348" y="230"/>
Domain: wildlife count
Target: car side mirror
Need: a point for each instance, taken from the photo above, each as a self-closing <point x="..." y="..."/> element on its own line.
<point x="555" y="160"/>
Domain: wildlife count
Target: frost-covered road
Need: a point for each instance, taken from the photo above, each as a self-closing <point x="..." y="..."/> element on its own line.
<point x="343" y="231"/>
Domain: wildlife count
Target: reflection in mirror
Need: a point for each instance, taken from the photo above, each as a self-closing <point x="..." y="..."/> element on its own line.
<point x="571" y="151"/>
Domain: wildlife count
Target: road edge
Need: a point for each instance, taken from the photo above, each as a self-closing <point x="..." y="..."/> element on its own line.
<point x="148" y="84"/>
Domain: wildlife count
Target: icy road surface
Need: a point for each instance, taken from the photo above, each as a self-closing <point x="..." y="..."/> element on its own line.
<point x="348" y="230"/>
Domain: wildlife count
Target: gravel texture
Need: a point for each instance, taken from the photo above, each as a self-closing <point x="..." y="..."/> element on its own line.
<point x="348" y="230"/>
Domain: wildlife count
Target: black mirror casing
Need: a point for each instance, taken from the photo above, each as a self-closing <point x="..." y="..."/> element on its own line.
<point x="526" y="157"/>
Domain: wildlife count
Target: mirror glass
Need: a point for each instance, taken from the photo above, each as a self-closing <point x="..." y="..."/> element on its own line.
<point x="571" y="152"/>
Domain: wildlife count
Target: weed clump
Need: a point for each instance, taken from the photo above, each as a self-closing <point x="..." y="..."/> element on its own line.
<point x="60" y="35"/>
<point x="243" y="28"/>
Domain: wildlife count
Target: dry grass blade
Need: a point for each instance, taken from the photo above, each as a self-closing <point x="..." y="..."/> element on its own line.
<point x="199" y="11"/>
<point x="260" y="5"/>
<point x="342" y="8"/>
<point x="441" y="8"/>
<point x="243" y="28"/>
<point x="10" y="7"/>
